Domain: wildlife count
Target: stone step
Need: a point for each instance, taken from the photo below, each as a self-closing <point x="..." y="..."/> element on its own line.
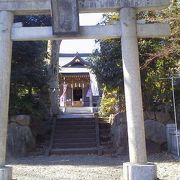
<point x="62" y="151"/>
<point x="75" y="124"/>
<point x="76" y="135"/>
<point x="74" y="140"/>
<point x="78" y="110"/>
<point x="78" y="131"/>
<point x="74" y="127"/>
<point x="74" y="121"/>
<point x="74" y="145"/>
<point x="75" y="116"/>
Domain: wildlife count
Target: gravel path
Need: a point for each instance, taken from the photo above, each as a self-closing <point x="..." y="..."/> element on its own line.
<point x="84" y="167"/>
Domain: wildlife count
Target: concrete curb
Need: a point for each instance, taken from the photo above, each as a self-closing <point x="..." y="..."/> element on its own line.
<point x="6" y="173"/>
<point x="139" y="171"/>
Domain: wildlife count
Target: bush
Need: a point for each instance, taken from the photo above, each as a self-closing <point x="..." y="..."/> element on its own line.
<point x="108" y="104"/>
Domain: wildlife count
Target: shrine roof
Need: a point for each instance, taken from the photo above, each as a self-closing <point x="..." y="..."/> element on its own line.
<point x="74" y="60"/>
<point x="64" y="60"/>
<point x="74" y="63"/>
<point x="73" y="70"/>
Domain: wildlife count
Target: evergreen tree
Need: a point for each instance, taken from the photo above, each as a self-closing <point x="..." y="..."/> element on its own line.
<point x="29" y="91"/>
<point x="158" y="58"/>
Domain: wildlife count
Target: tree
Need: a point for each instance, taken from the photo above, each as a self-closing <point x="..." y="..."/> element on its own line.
<point x="53" y="74"/>
<point x="158" y="58"/>
<point x="28" y="93"/>
<point x="107" y="66"/>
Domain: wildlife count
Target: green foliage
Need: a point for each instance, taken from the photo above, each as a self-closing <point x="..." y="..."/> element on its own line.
<point x="158" y="59"/>
<point x="154" y="67"/>
<point x="29" y="90"/>
<point x="107" y="64"/>
<point x="108" y="104"/>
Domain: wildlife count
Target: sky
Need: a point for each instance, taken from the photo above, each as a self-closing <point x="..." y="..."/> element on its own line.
<point x="84" y="45"/>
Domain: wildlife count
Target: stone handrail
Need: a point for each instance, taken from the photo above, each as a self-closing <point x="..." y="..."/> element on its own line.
<point x="97" y="133"/>
<point x="54" y="119"/>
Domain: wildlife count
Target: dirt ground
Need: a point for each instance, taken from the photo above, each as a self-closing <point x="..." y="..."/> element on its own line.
<point x="87" y="167"/>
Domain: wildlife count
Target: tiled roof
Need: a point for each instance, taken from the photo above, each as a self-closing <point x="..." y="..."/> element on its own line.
<point x="74" y="70"/>
<point x="71" y="64"/>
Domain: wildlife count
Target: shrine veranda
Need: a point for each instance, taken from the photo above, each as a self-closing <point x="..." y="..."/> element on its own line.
<point x="128" y="29"/>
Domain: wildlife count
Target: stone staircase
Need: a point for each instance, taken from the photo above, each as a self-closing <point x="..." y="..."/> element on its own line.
<point x="75" y="135"/>
<point x="78" y="110"/>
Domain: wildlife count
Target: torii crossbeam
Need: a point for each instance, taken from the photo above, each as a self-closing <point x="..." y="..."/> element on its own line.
<point x="128" y="29"/>
<point x="85" y="6"/>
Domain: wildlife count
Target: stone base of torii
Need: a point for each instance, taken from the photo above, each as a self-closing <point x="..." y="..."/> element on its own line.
<point x="138" y="168"/>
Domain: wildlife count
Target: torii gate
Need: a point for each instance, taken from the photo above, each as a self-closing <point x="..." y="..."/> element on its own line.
<point x="128" y="29"/>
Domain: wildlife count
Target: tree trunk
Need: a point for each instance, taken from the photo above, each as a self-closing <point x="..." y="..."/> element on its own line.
<point x="53" y="72"/>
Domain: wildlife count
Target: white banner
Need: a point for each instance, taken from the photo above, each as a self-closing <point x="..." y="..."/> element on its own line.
<point x="94" y="85"/>
<point x="63" y="96"/>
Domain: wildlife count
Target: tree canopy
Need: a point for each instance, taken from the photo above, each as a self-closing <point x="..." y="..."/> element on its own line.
<point x="28" y="90"/>
<point x="158" y="59"/>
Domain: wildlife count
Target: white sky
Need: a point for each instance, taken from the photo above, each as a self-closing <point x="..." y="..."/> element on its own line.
<point x="84" y="45"/>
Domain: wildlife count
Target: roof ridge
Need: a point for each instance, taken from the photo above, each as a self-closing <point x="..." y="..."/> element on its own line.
<point x="74" y="61"/>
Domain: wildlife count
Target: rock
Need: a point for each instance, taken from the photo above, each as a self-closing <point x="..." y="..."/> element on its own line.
<point x="38" y="127"/>
<point x="162" y="117"/>
<point x="19" y="140"/>
<point x="119" y="133"/>
<point x="23" y="120"/>
<point x="155" y="131"/>
<point x="149" y="115"/>
<point x="119" y="118"/>
<point x="152" y="147"/>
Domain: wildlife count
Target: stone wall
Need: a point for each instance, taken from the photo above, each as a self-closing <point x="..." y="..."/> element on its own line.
<point x="119" y="133"/>
<point x="155" y="129"/>
<point x="162" y="117"/>
<point x="20" y="139"/>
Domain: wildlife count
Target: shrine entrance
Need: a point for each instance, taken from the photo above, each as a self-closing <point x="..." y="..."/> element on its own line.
<point x="76" y="81"/>
<point x="77" y="94"/>
<point x="66" y="26"/>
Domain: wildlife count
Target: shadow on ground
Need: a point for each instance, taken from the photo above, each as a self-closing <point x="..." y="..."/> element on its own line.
<point x="87" y="160"/>
<point x="74" y="160"/>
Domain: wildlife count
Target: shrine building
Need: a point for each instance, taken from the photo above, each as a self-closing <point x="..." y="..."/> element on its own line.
<point x="78" y="85"/>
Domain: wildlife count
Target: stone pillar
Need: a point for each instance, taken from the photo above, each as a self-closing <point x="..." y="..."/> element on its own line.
<point x="173" y="139"/>
<point x="134" y="109"/>
<point x="72" y="95"/>
<point x="65" y="95"/>
<point x="170" y="128"/>
<point x="91" y="98"/>
<point x="6" y="20"/>
<point x="83" y="94"/>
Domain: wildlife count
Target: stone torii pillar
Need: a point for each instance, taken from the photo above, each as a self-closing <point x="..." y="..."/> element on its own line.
<point x="132" y="82"/>
<point x="138" y="168"/>
<point x="6" y="20"/>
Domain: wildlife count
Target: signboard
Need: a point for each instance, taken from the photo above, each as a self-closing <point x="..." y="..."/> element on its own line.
<point x="65" y="17"/>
